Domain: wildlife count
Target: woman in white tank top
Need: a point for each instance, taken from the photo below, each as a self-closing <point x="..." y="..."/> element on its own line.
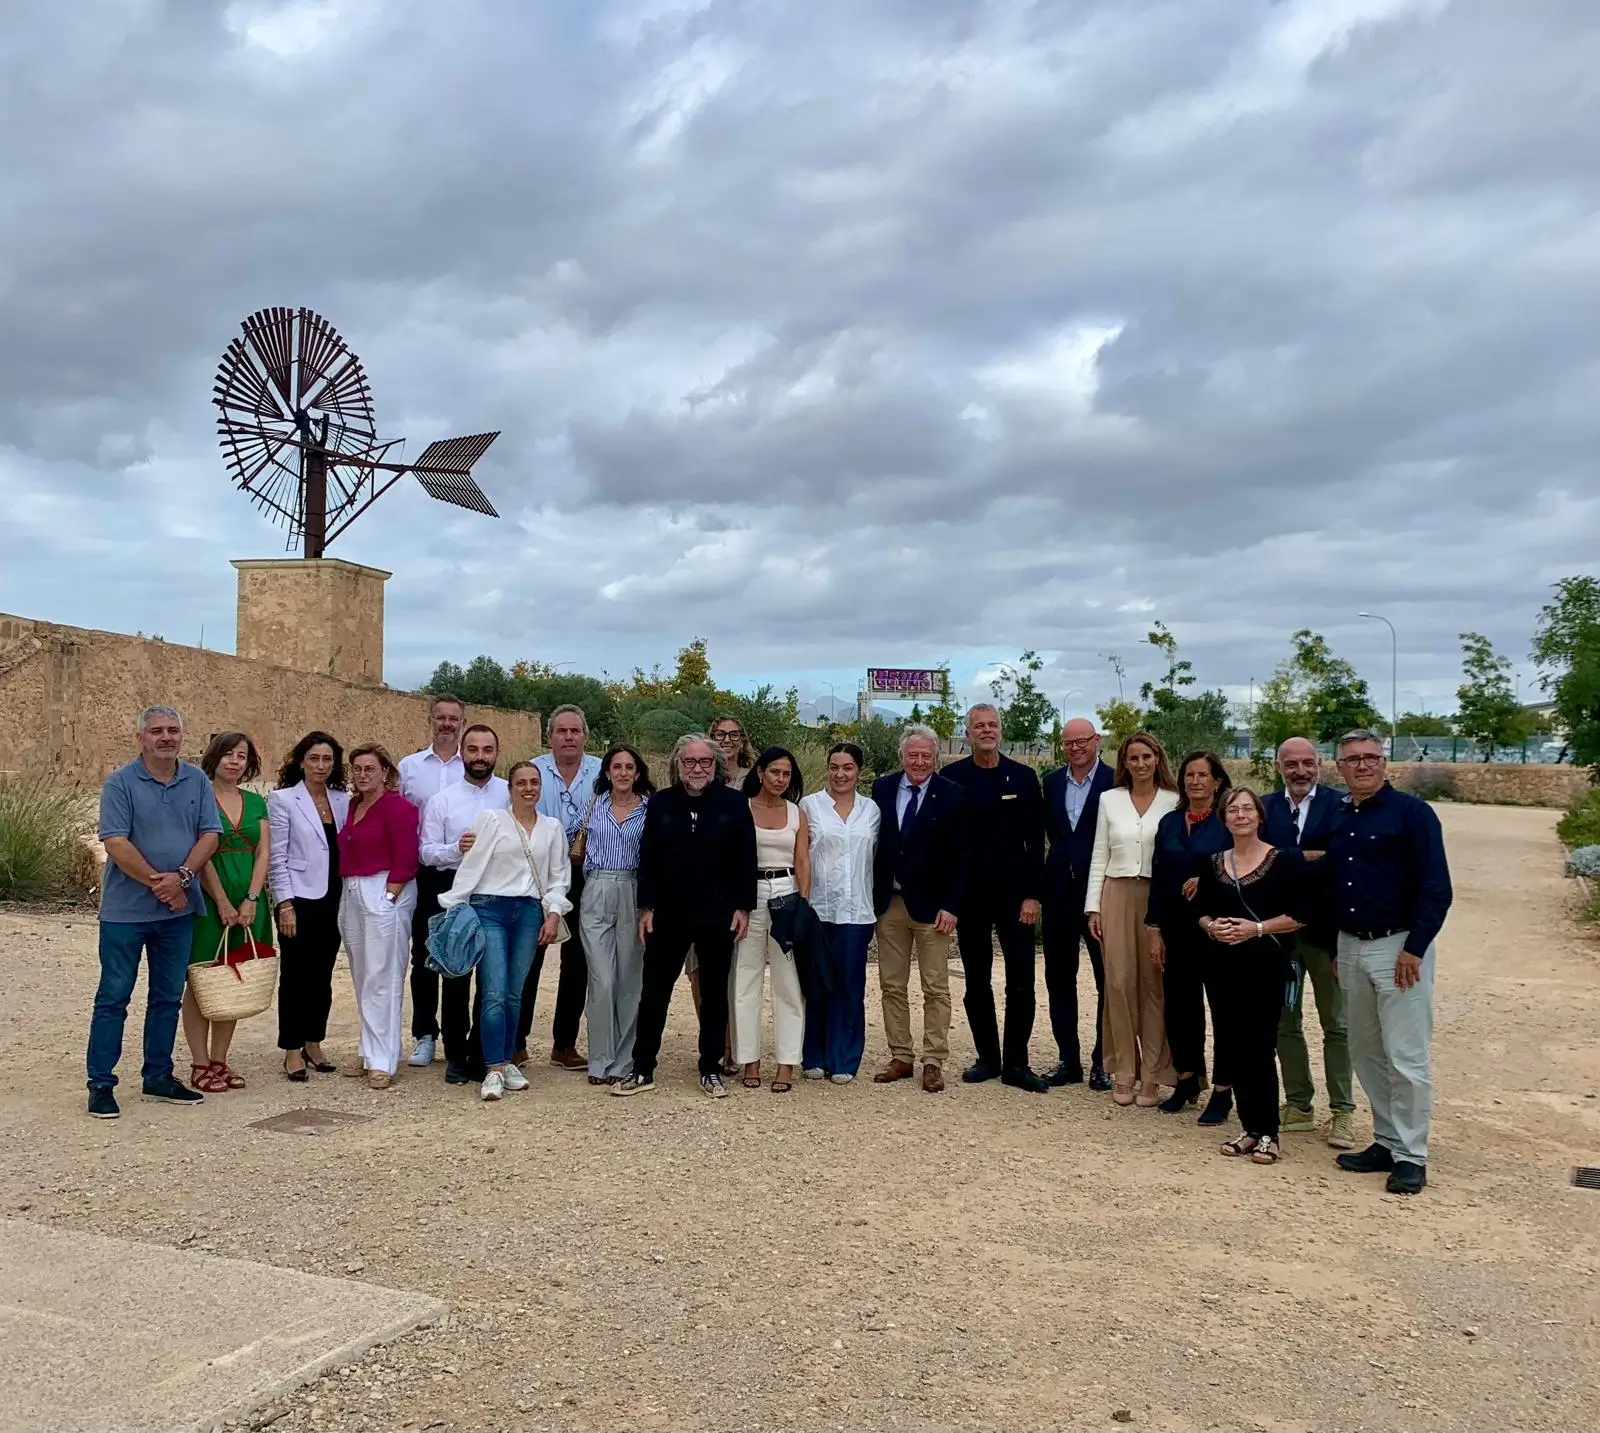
<point x="783" y="866"/>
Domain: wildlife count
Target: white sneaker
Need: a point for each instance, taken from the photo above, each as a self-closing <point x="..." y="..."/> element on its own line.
<point x="841" y="1079"/>
<point x="514" y="1078"/>
<point x="422" y="1052"/>
<point x="493" y="1086"/>
<point x="814" y="1073"/>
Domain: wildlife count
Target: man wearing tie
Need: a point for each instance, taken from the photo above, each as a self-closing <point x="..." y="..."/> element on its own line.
<point x="1303" y="815"/>
<point x="1071" y="805"/>
<point x="918" y="882"/>
<point x="1005" y="876"/>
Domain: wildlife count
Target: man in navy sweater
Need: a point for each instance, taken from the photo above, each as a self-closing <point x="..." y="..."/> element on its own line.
<point x="1071" y="808"/>
<point x="1390" y="892"/>
<point x="1005" y="878"/>
<point x="1303" y="815"/>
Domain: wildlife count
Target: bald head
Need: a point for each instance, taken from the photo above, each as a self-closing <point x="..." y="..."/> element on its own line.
<point x="1299" y="765"/>
<point x="1080" y="743"/>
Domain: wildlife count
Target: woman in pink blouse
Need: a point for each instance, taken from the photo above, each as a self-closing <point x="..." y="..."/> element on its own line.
<point x="378" y="863"/>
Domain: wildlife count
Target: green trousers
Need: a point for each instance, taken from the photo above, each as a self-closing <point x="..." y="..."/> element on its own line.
<point x="1298" y="1088"/>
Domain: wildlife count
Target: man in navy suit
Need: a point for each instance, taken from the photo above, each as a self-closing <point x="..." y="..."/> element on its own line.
<point x="918" y="884"/>
<point x="1303" y="814"/>
<point x="1071" y="807"/>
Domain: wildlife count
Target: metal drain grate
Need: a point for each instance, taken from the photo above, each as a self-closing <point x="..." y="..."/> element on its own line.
<point x="1586" y="1176"/>
<point x="309" y="1121"/>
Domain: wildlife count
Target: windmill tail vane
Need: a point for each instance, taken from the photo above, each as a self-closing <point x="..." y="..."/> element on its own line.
<point x="298" y="435"/>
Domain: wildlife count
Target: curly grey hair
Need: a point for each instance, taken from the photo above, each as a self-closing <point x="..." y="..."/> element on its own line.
<point x="915" y="731"/>
<point x="694" y="738"/>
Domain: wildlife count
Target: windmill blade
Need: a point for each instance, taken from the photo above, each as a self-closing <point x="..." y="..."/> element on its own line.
<point x="346" y="395"/>
<point x="319" y="349"/>
<point x="240" y="385"/>
<point x="270" y="331"/>
<point x="445" y="472"/>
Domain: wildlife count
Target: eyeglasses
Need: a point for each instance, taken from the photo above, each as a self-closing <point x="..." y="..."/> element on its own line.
<point x="1359" y="761"/>
<point x="1080" y="741"/>
<point x="728" y="733"/>
<point x="697" y="763"/>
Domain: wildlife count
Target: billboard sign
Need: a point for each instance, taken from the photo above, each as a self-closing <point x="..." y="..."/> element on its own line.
<point x="907" y="683"/>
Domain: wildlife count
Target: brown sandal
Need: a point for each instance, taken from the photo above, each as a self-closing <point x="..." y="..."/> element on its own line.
<point x="230" y="1078"/>
<point x="207" y="1078"/>
<point x="1240" y="1144"/>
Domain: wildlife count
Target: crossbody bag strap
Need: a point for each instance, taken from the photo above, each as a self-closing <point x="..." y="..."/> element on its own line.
<point x="527" y="851"/>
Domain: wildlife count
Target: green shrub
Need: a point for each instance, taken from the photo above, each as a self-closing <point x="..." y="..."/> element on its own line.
<point x="1581" y="824"/>
<point x="42" y="854"/>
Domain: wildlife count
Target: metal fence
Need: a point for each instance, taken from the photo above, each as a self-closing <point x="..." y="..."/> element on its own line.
<point x="1451" y="749"/>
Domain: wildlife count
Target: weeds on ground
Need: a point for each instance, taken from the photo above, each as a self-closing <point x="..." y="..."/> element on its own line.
<point x="1581" y="824"/>
<point x="41" y="838"/>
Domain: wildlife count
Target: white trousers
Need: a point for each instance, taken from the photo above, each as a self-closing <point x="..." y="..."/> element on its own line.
<point x="755" y="953"/>
<point x="377" y="938"/>
<point x="1390" y="1033"/>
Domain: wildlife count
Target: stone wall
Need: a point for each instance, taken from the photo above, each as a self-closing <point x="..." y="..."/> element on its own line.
<point x="323" y="615"/>
<point x="1492" y="784"/>
<point x="71" y="698"/>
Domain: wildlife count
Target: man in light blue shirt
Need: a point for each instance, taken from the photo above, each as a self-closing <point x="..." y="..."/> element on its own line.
<point x="159" y="826"/>
<point x="567" y="774"/>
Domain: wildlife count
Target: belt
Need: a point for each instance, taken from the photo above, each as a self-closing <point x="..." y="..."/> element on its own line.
<point x="776" y="873"/>
<point x="1374" y="934"/>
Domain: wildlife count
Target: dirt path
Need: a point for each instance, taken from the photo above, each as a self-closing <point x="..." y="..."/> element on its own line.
<point x="870" y="1257"/>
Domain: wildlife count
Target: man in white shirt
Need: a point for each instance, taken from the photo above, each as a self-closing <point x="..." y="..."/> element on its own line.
<point x="567" y="775"/>
<point x="444" y="838"/>
<point x="422" y="775"/>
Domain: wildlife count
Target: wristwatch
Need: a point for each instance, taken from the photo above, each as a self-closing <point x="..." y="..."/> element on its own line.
<point x="185" y="877"/>
<point x="252" y="895"/>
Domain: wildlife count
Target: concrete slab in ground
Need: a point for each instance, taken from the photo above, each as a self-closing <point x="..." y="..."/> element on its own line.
<point x="109" y="1334"/>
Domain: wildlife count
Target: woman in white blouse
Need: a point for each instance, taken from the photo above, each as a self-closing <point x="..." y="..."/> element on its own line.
<point x="1134" y="1030"/>
<point x="844" y="840"/>
<point x="516" y="876"/>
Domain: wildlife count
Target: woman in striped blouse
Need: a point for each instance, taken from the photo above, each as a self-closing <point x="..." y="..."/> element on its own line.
<point x="608" y="922"/>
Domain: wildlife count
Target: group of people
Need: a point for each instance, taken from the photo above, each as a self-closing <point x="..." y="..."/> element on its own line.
<point x="1187" y="892"/>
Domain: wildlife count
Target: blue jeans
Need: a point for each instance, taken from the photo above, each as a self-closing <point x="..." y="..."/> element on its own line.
<point x="510" y="940"/>
<point x="166" y="944"/>
<point x="836" y="1029"/>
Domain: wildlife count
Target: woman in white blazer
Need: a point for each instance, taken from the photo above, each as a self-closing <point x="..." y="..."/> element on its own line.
<point x="303" y="819"/>
<point x="1134" y="1026"/>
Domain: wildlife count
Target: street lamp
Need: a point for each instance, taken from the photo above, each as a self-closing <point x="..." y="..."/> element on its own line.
<point x="1394" y="673"/>
<point x="833" y="702"/>
<point x="1075" y="692"/>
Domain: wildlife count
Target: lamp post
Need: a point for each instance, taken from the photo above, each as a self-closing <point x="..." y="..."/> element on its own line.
<point x="1394" y="674"/>
<point x="833" y="703"/>
<point x="1075" y="692"/>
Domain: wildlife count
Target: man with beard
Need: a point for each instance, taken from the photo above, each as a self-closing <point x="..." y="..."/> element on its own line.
<point x="445" y="837"/>
<point x="697" y="886"/>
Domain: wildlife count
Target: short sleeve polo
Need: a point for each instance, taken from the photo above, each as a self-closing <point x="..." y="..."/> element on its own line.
<point x="163" y="820"/>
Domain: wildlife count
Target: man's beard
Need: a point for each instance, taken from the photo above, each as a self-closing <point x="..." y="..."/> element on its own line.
<point x="480" y="770"/>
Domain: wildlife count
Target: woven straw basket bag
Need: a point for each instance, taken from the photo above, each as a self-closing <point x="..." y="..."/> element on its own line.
<point x="236" y="986"/>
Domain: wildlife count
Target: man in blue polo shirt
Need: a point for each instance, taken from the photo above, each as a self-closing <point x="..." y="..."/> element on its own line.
<point x="159" y="826"/>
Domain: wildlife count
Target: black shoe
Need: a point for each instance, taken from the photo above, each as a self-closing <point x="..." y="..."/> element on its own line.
<point x="1020" y="1077"/>
<point x="168" y="1091"/>
<point x="1099" y="1081"/>
<point x="1374" y="1159"/>
<point x="1064" y="1074"/>
<point x="1185" y="1093"/>
<point x="1407" y="1178"/>
<point x="102" y="1103"/>
<point x="1217" y="1109"/>
<point x="979" y="1071"/>
<point x="455" y="1073"/>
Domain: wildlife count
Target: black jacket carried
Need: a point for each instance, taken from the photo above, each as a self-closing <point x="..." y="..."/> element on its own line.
<point x="1066" y="868"/>
<point x="697" y="856"/>
<point x="933" y="867"/>
<point x="1005" y="833"/>
<point x="797" y="929"/>
<point x="1179" y="854"/>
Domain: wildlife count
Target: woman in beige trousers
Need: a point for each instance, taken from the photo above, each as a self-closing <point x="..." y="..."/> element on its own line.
<point x="1134" y="1030"/>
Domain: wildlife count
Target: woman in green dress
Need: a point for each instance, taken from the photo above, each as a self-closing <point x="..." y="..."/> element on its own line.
<point x="233" y="881"/>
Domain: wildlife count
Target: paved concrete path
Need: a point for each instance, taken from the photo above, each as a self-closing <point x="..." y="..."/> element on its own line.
<point x="102" y="1333"/>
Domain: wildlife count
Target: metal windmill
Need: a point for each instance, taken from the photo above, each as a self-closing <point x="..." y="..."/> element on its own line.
<point x="297" y="431"/>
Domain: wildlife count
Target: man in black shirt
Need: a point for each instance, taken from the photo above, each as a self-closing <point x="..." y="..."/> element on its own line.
<point x="697" y="887"/>
<point x="1005" y="878"/>
<point x="1390" y="889"/>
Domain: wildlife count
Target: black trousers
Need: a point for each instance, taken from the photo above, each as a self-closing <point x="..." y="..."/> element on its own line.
<point x="664" y="954"/>
<point x="305" y="971"/>
<point x="1252" y="982"/>
<point x="1219" y="965"/>
<point x="1066" y="929"/>
<point x="1183" y="997"/>
<point x="572" y="988"/>
<point x="975" y="937"/>
<point x="432" y="993"/>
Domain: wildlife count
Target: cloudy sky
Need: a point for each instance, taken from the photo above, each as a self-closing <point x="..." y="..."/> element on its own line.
<point x="839" y="332"/>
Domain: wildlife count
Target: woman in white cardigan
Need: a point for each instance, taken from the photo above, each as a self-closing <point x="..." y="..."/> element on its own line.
<point x="516" y="876"/>
<point x="1134" y="1030"/>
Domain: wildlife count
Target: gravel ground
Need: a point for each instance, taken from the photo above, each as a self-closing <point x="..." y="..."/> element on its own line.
<point x="875" y="1257"/>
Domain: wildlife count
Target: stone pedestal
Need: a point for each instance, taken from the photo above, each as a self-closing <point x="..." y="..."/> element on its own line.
<point x="312" y="615"/>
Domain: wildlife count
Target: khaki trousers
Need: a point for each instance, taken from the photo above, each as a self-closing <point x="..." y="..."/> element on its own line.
<point x="1135" y="1024"/>
<point x="900" y="939"/>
